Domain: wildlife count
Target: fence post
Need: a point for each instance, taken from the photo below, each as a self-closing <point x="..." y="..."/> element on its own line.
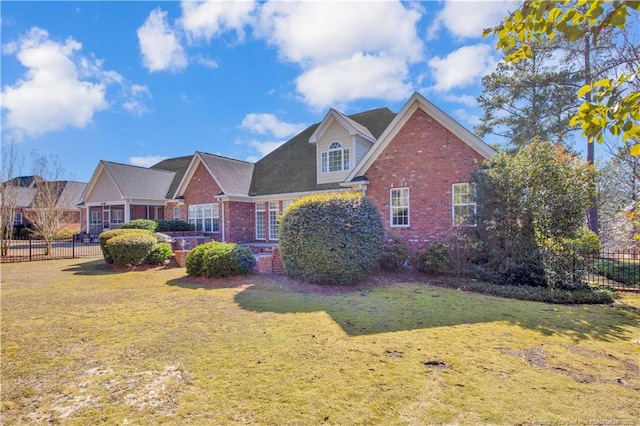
<point x="73" y="248"/>
<point x="29" y="248"/>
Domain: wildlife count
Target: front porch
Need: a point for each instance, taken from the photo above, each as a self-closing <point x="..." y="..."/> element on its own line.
<point x="104" y="217"/>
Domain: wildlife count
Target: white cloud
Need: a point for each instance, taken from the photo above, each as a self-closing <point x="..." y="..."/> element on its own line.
<point x="462" y="66"/>
<point x="205" y="62"/>
<point x="204" y="20"/>
<point x="358" y="77"/>
<point x="467" y="100"/>
<point x="264" y="147"/>
<point x="146" y="161"/>
<point x="159" y="44"/>
<point x="51" y="95"/>
<point x="262" y="124"/>
<point x="466" y="116"/>
<point x="467" y="19"/>
<point x="319" y="32"/>
<point x="347" y="50"/>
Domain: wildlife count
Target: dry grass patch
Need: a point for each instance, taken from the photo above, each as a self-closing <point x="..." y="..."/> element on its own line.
<point x="84" y="344"/>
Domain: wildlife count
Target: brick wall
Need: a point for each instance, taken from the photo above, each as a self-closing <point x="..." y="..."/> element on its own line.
<point x="202" y="189"/>
<point x="427" y="158"/>
<point x="239" y="218"/>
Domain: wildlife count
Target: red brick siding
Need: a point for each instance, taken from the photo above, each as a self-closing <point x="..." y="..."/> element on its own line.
<point x="239" y="219"/>
<point x="202" y="189"/>
<point x="138" y="211"/>
<point x="427" y="158"/>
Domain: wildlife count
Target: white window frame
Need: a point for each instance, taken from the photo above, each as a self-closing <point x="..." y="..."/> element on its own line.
<point x="462" y="196"/>
<point x="399" y="201"/>
<point x="205" y="217"/>
<point x="335" y="150"/>
<point x="260" y="222"/>
<point x="18" y="219"/>
<point x="274" y="219"/>
<point x="117" y="218"/>
<point x="96" y="217"/>
<point x="176" y="212"/>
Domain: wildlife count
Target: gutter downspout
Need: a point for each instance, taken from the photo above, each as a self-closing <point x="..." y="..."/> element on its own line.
<point x="224" y="234"/>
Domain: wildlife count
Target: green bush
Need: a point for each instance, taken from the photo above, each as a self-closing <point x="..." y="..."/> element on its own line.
<point x="24" y="232"/>
<point x="107" y="235"/>
<point x="148" y="224"/>
<point x="217" y="260"/>
<point x="331" y="238"/>
<point x="173" y="226"/>
<point x="131" y="248"/>
<point x="431" y="260"/>
<point x="65" y="234"/>
<point x="159" y="253"/>
<point x="625" y="271"/>
<point x="536" y="294"/>
<point x="394" y="255"/>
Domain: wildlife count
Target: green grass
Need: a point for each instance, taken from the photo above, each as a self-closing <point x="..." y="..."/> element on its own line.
<point x="82" y="345"/>
<point x="625" y="271"/>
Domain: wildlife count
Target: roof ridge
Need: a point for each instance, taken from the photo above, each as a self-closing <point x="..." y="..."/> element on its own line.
<point x="224" y="157"/>
<point x="138" y="167"/>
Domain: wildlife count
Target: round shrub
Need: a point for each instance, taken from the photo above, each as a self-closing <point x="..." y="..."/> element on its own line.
<point x="173" y="226"/>
<point x="331" y="238"/>
<point x="216" y="260"/>
<point x="107" y="235"/>
<point x="64" y="234"/>
<point x="159" y="253"/>
<point x="148" y="224"/>
<point x="131" y="248"/>
<point x="431" y="260"/>
<point x="394" y="255"/>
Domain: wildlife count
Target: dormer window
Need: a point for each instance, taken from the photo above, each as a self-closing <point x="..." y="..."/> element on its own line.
<point x="336" y="159"/>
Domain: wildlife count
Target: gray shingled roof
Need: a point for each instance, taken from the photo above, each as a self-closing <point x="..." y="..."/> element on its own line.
<point x="233" y="176"/>
<point x="72" y="193"/>
<point x="292" y="167"/>
<point x="359" y="127"/>
<point x="179" y="166"/>
<point x="140" y="182"/>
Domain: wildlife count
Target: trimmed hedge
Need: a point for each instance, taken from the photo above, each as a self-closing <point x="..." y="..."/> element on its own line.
<point x="331" y="238"/>
<point x="159" y="253"/>
<point x="217" y="260"/>
<point x="131" y="248"/>
<point x="536" y="294"/>
<point x="173" y="226"/>
<point x="107" y="235"/>
<point x="147" y="224"/>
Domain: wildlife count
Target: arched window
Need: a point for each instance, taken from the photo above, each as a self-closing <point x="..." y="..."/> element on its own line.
<point x="336" y="159"/>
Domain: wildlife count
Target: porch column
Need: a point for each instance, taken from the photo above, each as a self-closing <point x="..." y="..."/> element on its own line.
<point x="127" y="211"/>
<point x="88" y="220"/>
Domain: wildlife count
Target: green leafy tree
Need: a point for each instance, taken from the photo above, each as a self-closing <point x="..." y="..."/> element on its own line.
<point x="531" y="98"/>
<point x="608" y="104"/>
<point x="531" y="209"/>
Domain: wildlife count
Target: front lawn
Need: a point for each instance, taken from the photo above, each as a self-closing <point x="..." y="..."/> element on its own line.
<point x="82" y="344"/>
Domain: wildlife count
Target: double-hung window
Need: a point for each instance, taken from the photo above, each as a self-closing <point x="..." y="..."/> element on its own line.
<point x="463" y="204"/>
<point x="205" y="217"/>
<point x="399" y="207"/>
<point x="176" y="213"/>
<point x="274" y="213"/>
<point x="18" y="219"/>
<point x="117" y="216"/>
<point x="260" y="222"/>
<point x="336" y="159"/>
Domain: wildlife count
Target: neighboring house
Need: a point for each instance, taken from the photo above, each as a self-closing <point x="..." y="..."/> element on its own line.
<point x="415" y="165"/>
<point x="69" y="195"/>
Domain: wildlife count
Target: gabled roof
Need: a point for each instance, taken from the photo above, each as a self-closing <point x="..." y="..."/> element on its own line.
<point x="70" y="193"/>
<point x="291" y="168"/>
<point x="232" y="176"/>
<point x="352" y="127"/>
<point x="418" y="101"/>
<point x="134" y="181"/>
<point x="177" y="165"/>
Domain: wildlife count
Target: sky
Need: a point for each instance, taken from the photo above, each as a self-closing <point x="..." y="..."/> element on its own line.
<point x="138" y="82"/>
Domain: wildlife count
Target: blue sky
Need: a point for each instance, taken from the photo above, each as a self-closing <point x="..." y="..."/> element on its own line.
<point x="136" y="82"/>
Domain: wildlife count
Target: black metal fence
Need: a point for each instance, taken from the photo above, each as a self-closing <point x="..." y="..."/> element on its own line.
<point x="30" y="249"/>
<point x="617" y="269"/>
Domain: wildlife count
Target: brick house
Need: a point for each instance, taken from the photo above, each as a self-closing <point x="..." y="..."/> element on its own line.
<point x="28" y="188"/>
<point x="415" y="165"/>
